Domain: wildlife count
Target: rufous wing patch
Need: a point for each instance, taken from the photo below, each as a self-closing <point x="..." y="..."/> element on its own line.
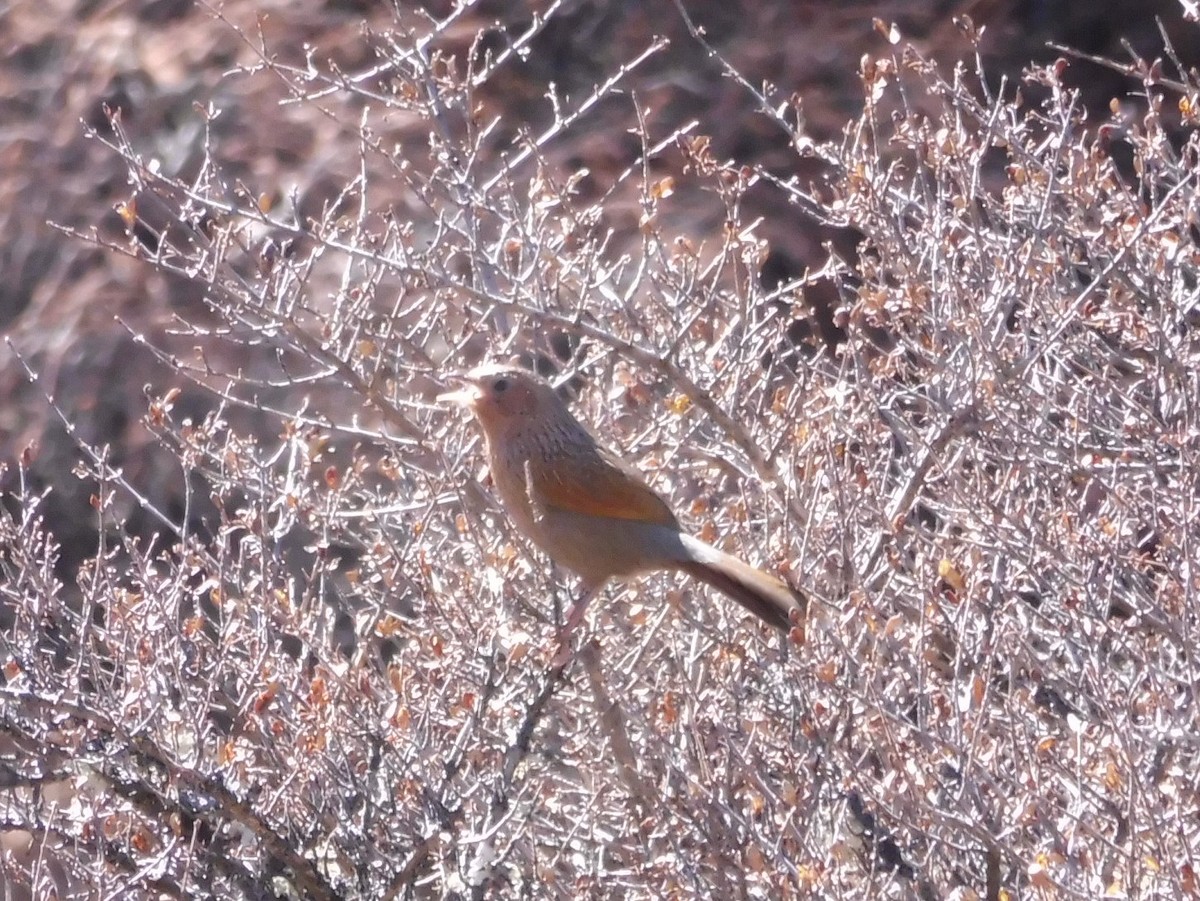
<point x="597" y="484"/>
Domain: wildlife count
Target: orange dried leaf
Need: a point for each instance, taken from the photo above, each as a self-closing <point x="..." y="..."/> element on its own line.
<point x="662" y="188"/>
<point x="318" y="692"/>
<point x="679" y="404"/>
<point x="670" y="708"/>
<point x="128" y="212"/>
<point x="263" y="701"/>
<point x="402" y="718"/>
<point x="389" y="626"/>
<point x="950" y="574"/>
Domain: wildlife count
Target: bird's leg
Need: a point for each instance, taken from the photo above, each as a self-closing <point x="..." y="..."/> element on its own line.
<point x="578" y="609"/>
<point x="574" y="618"/>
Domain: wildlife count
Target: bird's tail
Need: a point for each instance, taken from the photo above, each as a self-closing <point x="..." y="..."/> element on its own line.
<point x="767" y="597"/>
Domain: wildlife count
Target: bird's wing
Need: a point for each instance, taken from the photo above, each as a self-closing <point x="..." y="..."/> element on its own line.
<point x="595" y="483"/>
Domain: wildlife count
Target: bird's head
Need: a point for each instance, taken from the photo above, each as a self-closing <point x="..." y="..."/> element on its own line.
<point x="504" y="396"/>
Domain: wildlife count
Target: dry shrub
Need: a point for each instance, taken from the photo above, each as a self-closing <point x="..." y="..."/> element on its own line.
<point x="328" y="676"/>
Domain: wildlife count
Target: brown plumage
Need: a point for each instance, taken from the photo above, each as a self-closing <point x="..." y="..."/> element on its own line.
<point x="588" y="509"/>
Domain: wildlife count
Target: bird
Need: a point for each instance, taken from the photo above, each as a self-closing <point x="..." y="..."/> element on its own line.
<point x="586" y="508"/>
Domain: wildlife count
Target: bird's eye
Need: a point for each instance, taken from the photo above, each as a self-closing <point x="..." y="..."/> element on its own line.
<point x="500" y="385"/>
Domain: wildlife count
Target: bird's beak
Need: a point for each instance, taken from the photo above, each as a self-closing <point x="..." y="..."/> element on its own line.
<point x="465" y="395"/>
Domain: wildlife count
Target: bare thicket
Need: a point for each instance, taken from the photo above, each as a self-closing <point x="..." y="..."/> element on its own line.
<point x="328" y="675"/>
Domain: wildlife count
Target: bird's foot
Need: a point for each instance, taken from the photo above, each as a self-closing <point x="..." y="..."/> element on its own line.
<point x="564" y="652"/>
